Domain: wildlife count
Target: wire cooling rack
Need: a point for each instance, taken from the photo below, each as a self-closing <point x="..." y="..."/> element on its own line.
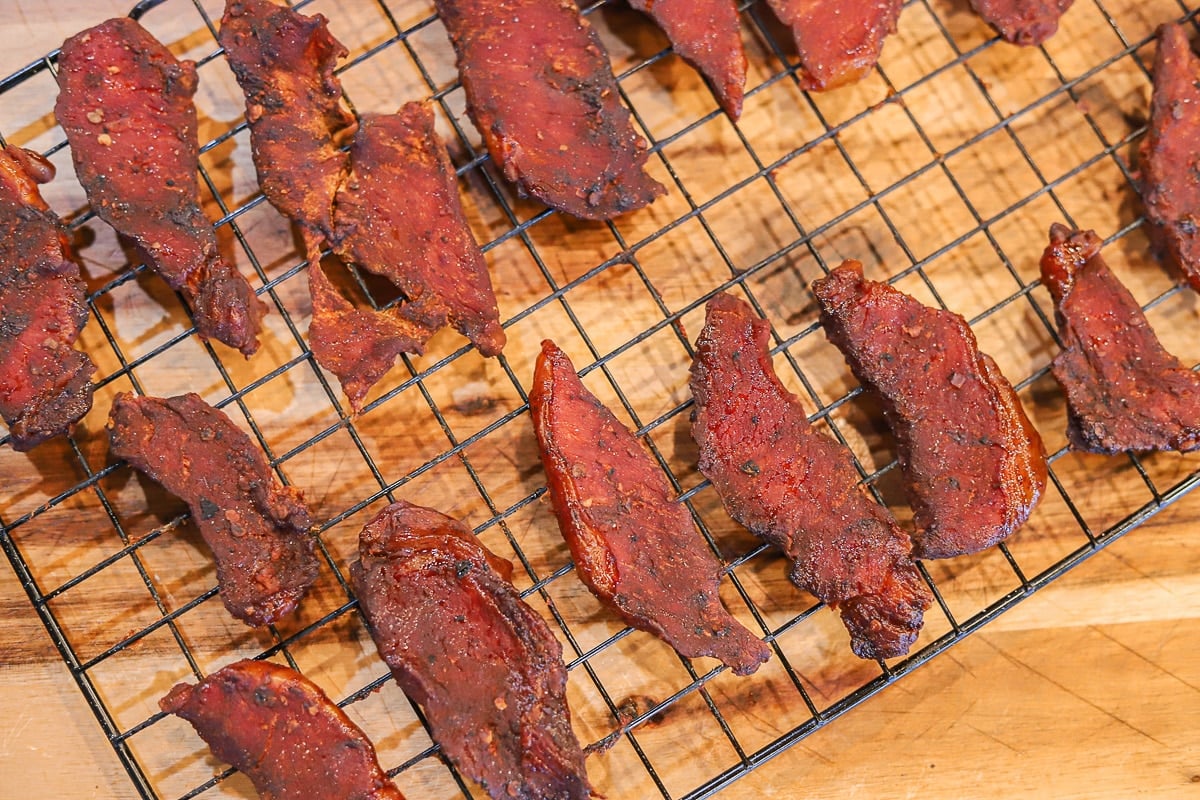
<point x="941" y="171"/>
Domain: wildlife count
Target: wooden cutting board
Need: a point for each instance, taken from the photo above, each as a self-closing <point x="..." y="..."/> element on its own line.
<point x="1090" y="688"/>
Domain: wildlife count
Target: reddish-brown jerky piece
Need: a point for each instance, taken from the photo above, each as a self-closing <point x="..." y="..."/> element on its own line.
<point x="1124" y="390"/>
<point x="634" y="547"/>
<point x="45" y="384"/>
<point x="425" y="248"/>
<point x="798" y="489"/>
<point x="284" y="62"/>
<point x="279" y="728"/>
<point x="482" y="664"/>
<point x="838" y="41"/>
<point x="973" y="464"/>
<point x="706" y="34"/>
<point x="543" y="95"/>
<point x="1167" y="158"/>
<point x="258" y="530"/>
<point x="358" y="345"/>
<point x="125" y="104"/>
<point x="1024" y="22"/>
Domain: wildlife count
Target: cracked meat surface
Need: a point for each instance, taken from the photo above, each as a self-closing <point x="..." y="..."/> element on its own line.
<point x="483" y="666"/>
<point x="798" y="489"/>
<point x="45" y="384"/>
<point x="838" y="41"/>
<point x="973" y="464"/>
<point x="1124" y="390"/>
<point x="279" y="728"/>
<point x="1167" y="158"/>
<point x="258" y="531"/>
<point x="1024" y="22"/>
<point x="542" y="93"/>
<point x="635" y="547"/>
<point x="125" y="104"/>
<point x="707" y="35"/>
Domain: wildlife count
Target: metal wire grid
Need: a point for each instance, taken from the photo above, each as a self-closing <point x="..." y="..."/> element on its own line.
<point x="626" y="726"/>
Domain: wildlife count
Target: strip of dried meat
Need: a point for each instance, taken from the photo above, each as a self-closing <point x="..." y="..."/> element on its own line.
<point x="358" y="345"/>
<point x="279" y="728"/>
<point x="1024" y="22"/>
<point x="838" y="41"/>
<point x="973" y="464"/>
<point x="706" y="34"/>
<point x="45" y="384"/>
<point x="1124" y="390"/>
<point x="798" y="489"/>
<point x="258" y="530"/>
<point x="1169" y="184"/>
<point x="542" y="93"/>
<point x="125" y="104"/>
<point x="284" y="63"/>
<point x="482" y="664"/>
<point x="425" y="248"/>
<point x="636" y="549"/>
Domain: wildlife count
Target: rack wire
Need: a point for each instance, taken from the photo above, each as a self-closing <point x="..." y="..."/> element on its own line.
<point x="939" y="171"/>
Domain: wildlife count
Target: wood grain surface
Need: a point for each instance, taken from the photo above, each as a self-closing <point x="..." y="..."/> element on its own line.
<point x="946" y="170"/>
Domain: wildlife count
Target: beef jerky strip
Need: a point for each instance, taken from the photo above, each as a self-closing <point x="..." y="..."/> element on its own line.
<point x="973" y="464"/>
<point x="1124" y="390"/>
<point x="1024" y="22"/>
<point x="706" y="34"/>
<point x="45" y="384"/>
<point x="798" y="489"/>
<point x="258" y="530"/>
<point x="838" y="41"/>
<point x="482" y="664"/>
<point x="279" y="728"/>
<point x="125" y="104"/>
<point x="358" y="345"/>
<point x="636" y="549"/>
<point x="542" y="93"/>
<point x="284" y="63"/>
<point x="425" y="248"/>
<point x="1167" y="159"/>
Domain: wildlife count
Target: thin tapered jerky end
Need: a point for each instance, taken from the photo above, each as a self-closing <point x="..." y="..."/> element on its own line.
<point x="838" y="41"/>
<point x="707" y="35"/>
<point x="1028" y="23"/>
<point x="358" y="345"/>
